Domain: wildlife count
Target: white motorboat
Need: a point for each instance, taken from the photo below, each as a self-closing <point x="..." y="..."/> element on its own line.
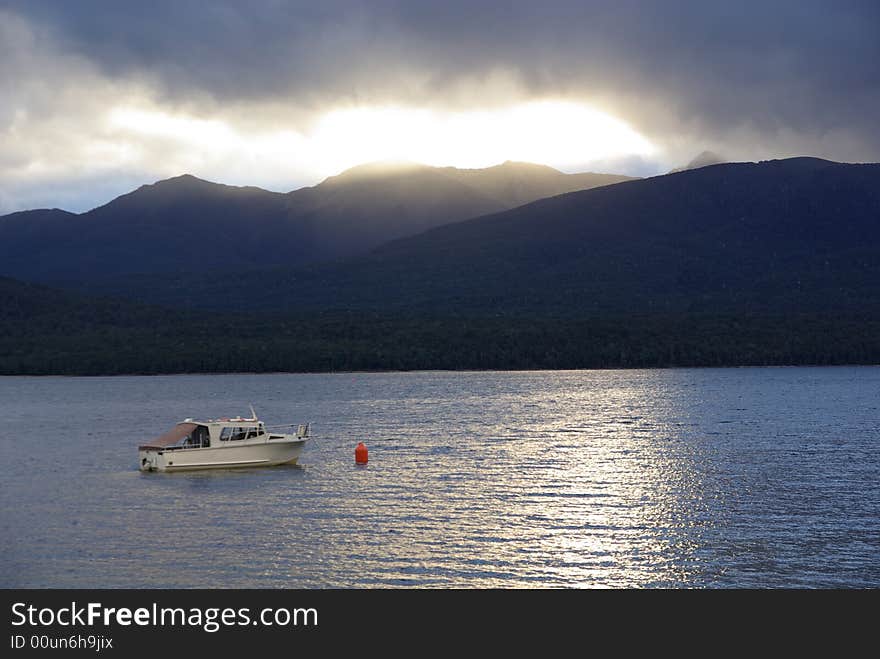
<point x="223" y="444"/>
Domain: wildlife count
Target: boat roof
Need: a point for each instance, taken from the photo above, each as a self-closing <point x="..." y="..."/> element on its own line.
<point x="185" y="427"/>
<point x="234" y="419"/>
<point x="173" y="436"/>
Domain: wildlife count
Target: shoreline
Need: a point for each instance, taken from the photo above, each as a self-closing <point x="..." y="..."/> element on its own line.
<point x="440" y="370"/>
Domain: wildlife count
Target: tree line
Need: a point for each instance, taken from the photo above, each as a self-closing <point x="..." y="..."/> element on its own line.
<point x="131" y="340"/>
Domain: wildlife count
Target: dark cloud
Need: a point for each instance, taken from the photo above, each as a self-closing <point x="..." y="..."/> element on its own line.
<point x="801" y="66"/>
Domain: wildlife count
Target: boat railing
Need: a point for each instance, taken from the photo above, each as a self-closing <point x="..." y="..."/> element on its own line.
<point x="186" y="445"/>
<point x="302" y="429"/>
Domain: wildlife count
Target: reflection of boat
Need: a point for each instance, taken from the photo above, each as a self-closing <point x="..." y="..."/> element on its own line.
<point x="222" y="444"/>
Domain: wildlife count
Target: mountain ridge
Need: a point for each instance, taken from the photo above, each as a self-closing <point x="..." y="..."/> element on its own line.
<point x="795" y="234"/>
<point x="157" y="227"/>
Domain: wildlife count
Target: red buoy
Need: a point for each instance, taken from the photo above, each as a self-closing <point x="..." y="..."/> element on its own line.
<point x="360" y="454"/>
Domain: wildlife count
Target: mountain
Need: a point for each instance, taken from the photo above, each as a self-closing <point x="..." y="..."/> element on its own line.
<point x="795" y="235"/>
<point x="179" y="224"/>
<point x="370" y="204"/>
<point x="186" y="224"/>
<point x="735" y="264"/>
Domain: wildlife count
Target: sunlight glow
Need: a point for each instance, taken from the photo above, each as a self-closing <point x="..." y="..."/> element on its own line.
<point x="547" y="132"/>
<point x="162" y="124"/>
<point x="555" y="133"/>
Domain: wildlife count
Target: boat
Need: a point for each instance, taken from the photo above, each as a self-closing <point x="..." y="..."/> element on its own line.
<point x="223" y="444"/>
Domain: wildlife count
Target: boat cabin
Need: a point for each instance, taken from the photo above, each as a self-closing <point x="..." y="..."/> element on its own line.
<point x="204" y="434"/>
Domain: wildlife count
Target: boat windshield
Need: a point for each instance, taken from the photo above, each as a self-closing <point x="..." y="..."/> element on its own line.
<point x="237" y="433"/>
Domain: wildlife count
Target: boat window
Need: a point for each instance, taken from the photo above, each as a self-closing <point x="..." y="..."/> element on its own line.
<point x="230" y="434"/>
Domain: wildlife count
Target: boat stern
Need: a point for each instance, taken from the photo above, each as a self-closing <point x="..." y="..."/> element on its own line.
<point x="150" y="459"/>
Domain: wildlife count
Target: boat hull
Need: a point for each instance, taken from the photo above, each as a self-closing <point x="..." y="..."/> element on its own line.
<point x="264" y="454"/>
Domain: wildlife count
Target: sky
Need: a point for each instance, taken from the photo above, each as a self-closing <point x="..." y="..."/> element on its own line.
<point x="100" y="96"/>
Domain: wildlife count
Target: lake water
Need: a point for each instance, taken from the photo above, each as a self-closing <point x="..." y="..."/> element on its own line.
<point x="657" y="478"/>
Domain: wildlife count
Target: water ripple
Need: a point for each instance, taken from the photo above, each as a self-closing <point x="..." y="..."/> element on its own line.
<point x="678" y="478"/>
